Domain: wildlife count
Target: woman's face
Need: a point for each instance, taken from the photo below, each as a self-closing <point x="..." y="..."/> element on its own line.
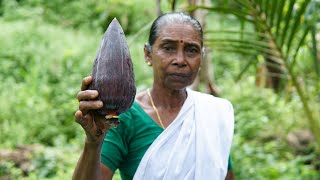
<point x="175" y="56"/>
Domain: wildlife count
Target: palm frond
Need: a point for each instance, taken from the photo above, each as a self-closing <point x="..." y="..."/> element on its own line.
<point x="239" y="14"/>
<point x="245" y="43"/>
<point x="244" y="4"/>
<point x="315" y="50"/>
<point x="142" y="30"/>
<point x="244" y="70"/>
<point x="286" y="20"/>
<point x="247" y="33"/>
<point x="294" y="59"/>
<point x="280" y="30"/>
<point x="297" y="23"/>
<point x="279" y="17"/>
<point x="273" y="10"/>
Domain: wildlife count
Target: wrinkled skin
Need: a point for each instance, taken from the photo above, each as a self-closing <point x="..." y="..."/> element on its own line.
<point x="175" y="57"/>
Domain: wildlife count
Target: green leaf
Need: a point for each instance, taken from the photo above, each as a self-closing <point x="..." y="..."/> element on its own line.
<point x="315" y="50"/>
<point x="286" y="21"/>
<point x="279" y="16"/>
<point x="242" y="26"/>
<point x="247" y="33"/>
<point x="245" y="43"/>
<point x="262" y="7"/>
<point x="297" y="23"/>
<point x="245" y="4"/>
<point x="236" y="12"/>
<point x="142" y="30"/>
<point x="257" y="3"/>
<point x="244" y="70"/>
<point x="306" y="30"/>
<point x="273" y="10"/>
<point x="236" y="50"/>
<point x="267" y="8"/>
<point x="244" y="50"/>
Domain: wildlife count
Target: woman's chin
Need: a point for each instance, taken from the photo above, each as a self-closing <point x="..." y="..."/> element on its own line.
<point x="177" y="85"/>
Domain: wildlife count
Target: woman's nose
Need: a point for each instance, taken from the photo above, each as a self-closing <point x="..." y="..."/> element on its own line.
<point x="180" y="58"/>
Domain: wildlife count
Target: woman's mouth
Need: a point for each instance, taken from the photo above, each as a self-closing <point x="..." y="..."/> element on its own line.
<point x="180" y="77"/>
<point x="183" y="75"/>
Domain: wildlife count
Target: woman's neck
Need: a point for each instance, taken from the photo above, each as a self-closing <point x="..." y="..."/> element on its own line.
<point x="168" y="98"/>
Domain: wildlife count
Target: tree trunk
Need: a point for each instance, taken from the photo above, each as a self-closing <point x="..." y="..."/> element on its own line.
<point x="273" y="62"/>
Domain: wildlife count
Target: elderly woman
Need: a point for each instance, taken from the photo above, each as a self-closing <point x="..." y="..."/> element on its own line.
<point x="170" y="132"/>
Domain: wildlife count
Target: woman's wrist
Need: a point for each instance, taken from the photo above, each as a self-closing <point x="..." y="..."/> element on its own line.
<point x="97" y="139"/>
<point x="93" y="144"/>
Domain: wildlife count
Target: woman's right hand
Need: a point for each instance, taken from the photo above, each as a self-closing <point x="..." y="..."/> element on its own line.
<point x="94" y="125"/>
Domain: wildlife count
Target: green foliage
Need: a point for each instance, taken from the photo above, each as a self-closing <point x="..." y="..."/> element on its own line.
<point x="35" y="67"/>
<point x="44" y="163"/>
<point x="262" y="121"/>
<point x="89" y="14"/>
<point x="54" y="163"/>
<point x="8" y="170"/>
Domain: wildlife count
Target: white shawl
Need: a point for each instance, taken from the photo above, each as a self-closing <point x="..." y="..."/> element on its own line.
<point x="195" y="146"/>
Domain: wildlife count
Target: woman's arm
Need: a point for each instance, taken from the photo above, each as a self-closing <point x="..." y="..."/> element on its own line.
<point x="89" y="165"/>
<point x="230" y="175"/>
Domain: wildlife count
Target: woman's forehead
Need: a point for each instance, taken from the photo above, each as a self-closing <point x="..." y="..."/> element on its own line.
<point x="179" y="31"/>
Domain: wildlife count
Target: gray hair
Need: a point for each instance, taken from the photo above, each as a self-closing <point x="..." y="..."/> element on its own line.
<point x="170" y="18"/>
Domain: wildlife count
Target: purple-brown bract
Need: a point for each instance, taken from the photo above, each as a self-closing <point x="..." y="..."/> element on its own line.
<point x="112" y="72"/>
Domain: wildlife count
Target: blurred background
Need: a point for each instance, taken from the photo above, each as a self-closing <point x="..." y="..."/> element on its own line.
<point x="262" y="55"/>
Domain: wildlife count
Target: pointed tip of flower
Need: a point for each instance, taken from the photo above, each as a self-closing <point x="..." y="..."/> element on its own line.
<point x="115" y="22"/>
<point x="115" y="19"/>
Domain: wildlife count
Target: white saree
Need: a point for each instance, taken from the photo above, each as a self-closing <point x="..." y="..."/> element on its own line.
<point x="196" y="145"/>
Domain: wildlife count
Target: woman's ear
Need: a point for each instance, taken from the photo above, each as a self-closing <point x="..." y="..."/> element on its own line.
<point x="147" y="54"/>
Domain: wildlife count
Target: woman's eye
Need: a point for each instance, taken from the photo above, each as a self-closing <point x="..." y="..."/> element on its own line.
<point x="192" y="50"/>
<point x="169" y="48"/>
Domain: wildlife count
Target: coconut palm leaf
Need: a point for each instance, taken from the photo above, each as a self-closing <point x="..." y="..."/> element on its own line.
<point x="286" y="20"/>
<point x="222" y="10"/>
<point x="279" y="16"/>
<point x="272" y="12"/>
<point x="305" y="33"/>
<point x="297" y="24"/>
<point x="312" y="18"/>
<point x="244" y="70"/>
<point x="228" y="32"/>
<point x="315" y="50"/>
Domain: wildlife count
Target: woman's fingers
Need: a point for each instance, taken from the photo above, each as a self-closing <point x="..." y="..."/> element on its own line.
<point x="86" y="106"/>
<point x="86" y="82"/>
<point x="87" y="95"/>
<point x="86" y="121"/>
<point x="94" y="126"/>
<point x="79" y="118"/>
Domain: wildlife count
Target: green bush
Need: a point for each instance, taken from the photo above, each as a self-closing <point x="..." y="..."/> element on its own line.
<point x="262" y="121"/>
<point x="89" y="14"/>
<point x="40" y="79"/>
